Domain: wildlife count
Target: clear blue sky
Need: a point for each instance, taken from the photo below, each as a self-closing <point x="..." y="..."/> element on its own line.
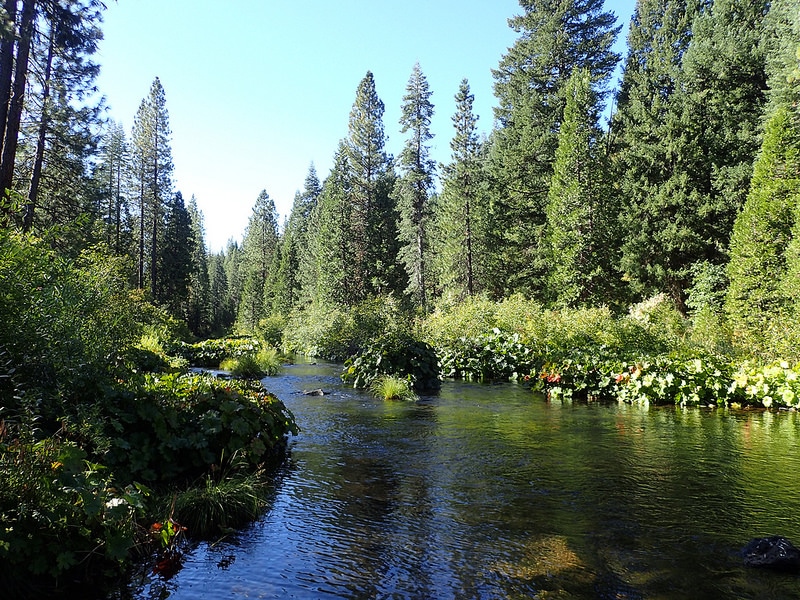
<point x="257" y="90"/>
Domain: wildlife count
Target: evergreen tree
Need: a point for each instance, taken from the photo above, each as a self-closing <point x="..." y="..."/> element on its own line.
<point x="580" y="256"/>
<point x="414" y="188"/>
<point x="461" y="212"/>
<point x="373" y="264"/>
<point x="60" y="137"/>
<point x="222" y="315"/>
<point x="331" y="247"/>
<point x="259" y="249"/>
<point x="113" y="172"/>
<point x="198" y="315"/>
<point x="556" y="38"/>
<point x="665" y="208"/>
<point x="14" y="71"/>
<point x="176" y="255"/>
<point x="152" y="162"/>
<point x="758" y="266"/>
<point x="294" y="248"/>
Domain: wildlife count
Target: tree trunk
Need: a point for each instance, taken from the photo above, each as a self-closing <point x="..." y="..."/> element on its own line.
<point x="141" y="228"/>
<point x="6" y="67"/>
<point x="17" y="96"/>
<point x="36" y="175"/>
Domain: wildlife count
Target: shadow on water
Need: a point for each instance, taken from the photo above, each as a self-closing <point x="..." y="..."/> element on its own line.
<point x="492" y="492"/>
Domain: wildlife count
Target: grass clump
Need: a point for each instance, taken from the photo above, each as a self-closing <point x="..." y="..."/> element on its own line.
<point x="215" y="506"/>
<point x="390" y="387"/>
<point x="266" y="362"/>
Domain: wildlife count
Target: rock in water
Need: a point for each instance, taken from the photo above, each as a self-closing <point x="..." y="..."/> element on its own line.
<point x="775" y="552"/>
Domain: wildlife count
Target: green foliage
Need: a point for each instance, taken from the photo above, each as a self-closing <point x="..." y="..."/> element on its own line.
<point x="218" y="503"/>
<point x="398" y="355"/>
<point x="390" y="387"/>
<point x="211" y="353"/>
<point x="494" y="356"/>
<point x="335" y="334"/>
<point x="61" y="512"/>
<point x="177" y="426"/>
<point x="774" y="384"/>
<point x="64" y="323"/>
<point x="761" y="237"/>
<point x="556" y="39"/>
<point x="265" y="362"/>
<point x="271" y="330"/>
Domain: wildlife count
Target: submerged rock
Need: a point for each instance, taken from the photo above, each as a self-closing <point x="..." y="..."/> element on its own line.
<point x="775" y="552"/>
<point x="317" y="392"/>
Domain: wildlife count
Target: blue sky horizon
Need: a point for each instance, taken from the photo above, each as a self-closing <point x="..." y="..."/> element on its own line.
<point x="259" y="92"/>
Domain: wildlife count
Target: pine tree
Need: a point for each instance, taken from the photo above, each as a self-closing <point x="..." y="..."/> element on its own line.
<point x="152" y="162"/>
<point x="198" y="315"/>
<point x="14" y="85"/>
<point x="556" y="38"/>
<point x="461" y="211"/>
<point x="373" y="264"/>
<point x="259" y="249"/>
<point x="414" y="188"/>
<point x="580" y="256"/>
<point x="328" y="278"/>
<point x="757" y="270"/>
<point x="60" y="138"/>
<point x="176" y="259"/>
<point x="113" y="174"/>
<point x="665" y="209"/>
<point x="294" y="249"/>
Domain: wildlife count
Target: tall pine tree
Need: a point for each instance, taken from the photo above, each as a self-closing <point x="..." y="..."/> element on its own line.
<point x="259" y="249"/>
<point x="373" y="264"/>
<point x="556" y="38"/>
<point x="461" y="212"/>
<point x="580" y="255"/>
<point x="414" y="188"/>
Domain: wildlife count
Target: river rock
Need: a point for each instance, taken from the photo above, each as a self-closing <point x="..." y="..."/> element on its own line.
<point x="775" y="552"/>
<point x="317" y="392"/>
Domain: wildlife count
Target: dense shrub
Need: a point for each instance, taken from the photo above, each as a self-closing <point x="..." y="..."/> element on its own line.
<point x="60" y="512"/>
<point x="178" y="426"/>
<point x="266" y="362"/>
<point x="497" y="355"/>
<point x="336" y="334"/>
<point x="397" y="355"/>
<point x="211" y="353"/>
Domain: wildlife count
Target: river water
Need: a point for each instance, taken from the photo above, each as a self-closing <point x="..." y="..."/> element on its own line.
<point x="489" y="491"/>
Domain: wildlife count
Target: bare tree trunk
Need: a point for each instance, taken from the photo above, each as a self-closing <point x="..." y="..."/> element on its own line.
<point x="141" y="228"/>
<point x="36" y="175"/>
<point x="17" y="96"/>
<point x="6" y="67"/>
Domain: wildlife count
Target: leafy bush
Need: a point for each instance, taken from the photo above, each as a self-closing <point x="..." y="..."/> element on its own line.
<point x="498" y="355"/>
<point x="335" y="334"/>
<point x="211" y="353"/>
<point x="775" y="384"/>
<point x="271" y="330"/>
<point x="396" y="355"/>
<point x="178" y="426"/>
<point x="64" y="323"/>
<point x="60" y="512"/>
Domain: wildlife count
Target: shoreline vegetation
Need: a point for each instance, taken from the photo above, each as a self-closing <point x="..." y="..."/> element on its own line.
<point x="113" y="451"/>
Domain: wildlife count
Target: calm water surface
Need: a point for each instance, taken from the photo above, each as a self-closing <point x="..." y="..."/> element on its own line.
<point x="492" y="492"/>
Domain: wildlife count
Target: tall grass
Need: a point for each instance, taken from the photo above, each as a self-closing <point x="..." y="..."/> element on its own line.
<point x="390" y="387"/>
<point x="264" y="363"/>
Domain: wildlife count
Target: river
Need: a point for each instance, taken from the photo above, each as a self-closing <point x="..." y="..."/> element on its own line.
<point x="489" y="491"/>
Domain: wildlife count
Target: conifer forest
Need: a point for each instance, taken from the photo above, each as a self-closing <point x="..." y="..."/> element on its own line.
<point x="632" y="236"/>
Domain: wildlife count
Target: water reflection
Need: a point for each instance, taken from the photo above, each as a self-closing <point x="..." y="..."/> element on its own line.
<point x="490" y="492"/>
